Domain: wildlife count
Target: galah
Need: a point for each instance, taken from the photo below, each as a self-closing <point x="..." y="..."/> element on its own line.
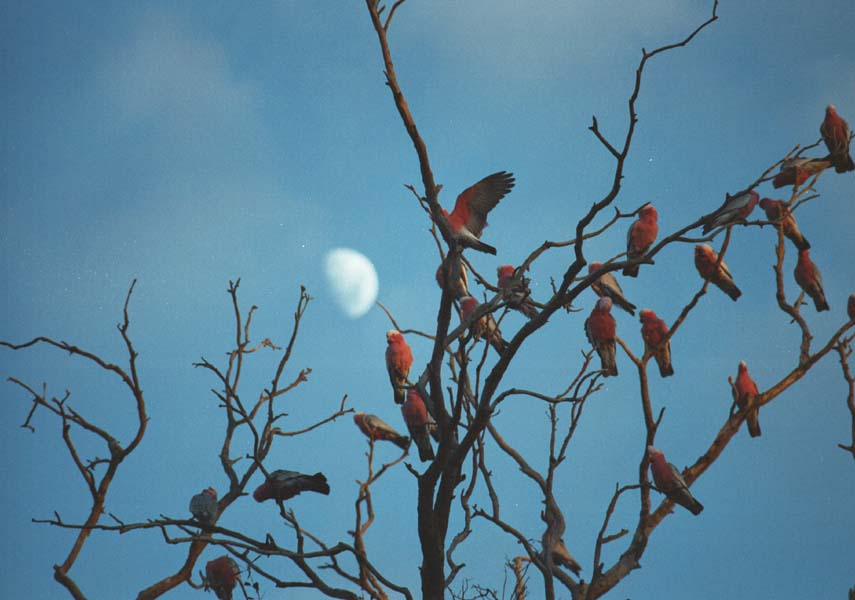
<point x="705" y="259"/>
<point x="516" y="291"/>
<point x="283" y="484"/>
<point x="221" y="575"/>
<point x="654" y="332"/>
<point x="376" y="428"/>
<point x="745" y="394"/>
<point x="850" y="307"/>
<point x="735" y="209"/>
<point x="485" y="327"/>
<point x="203" y="506"/>
<point x="562" y="557"/>
<point x="810" y="280"/>
<point x="607" y="285"/>
<point x="835" y="132"/>
<point x="469" y="217"/>
<point x="399" y="360"/>
<point x="418" y="423"/>
<point x="670" y="481"/>
<point x="795" y="171"/>
<point x="641" y="235"/>
<point x="777" y="210"/>
<point x="460" y="285"/>
<point x="601" y="330"/>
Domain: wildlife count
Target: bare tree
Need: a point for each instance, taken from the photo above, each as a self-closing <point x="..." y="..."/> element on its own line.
<point x="462" y="385"/>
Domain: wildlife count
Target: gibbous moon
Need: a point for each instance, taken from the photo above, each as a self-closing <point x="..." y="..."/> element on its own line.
<point x="352" y="279"/>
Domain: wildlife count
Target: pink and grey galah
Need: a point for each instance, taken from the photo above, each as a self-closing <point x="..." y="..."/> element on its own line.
<point x="203" y="506"/>
<point x="561" y="556"/>
<point x="485" y="327"/>
<point x="835" y="133"/>
<point x="654" y="332"/>
<point x="607" y="285"/>
<point x="705" y="263"/>
<point x="601" y="329"/>
<point x="641" y="235"/>
<point x="810" y="280"/>
<point x="399" y="360"/>
<point x="777" y="211"/>
<point x="221" y="575"/>
<point x="418" y="423"/>
<point x="282" y="485"/>
<point x="670" y="481"/>
<point x="445" y="275"/>
<point x="516" y="291"/>
<point x="795" y="171"/>
<point x="376" y="429"/>
<point x="735" y="209"/>
<point x="745" y="394"/>
<point x="469" y="217"/>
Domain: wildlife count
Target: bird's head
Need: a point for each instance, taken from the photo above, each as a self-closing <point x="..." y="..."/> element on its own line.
<point x="594" y="266"/>
<point x="654" y="453"/>
<point x="210" y="492"/>
<point x="646" y="315"/>
<point x="648" y="212"/>
<point x="468" y="304"/>
<point x="393" y="336"/>
<point x="604" y="304"/>
<point x="743" y="368"/>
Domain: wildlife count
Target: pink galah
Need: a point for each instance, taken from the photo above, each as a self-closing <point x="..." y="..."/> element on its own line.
<point x="654" y="332"/>
<point x="418" y="423"/>
<point x="777" y="211"/>
<point x="835" y="133"/>
<point x="399" y="360"/>
<point x="745" y="394"/>
<point x="607" y="285"/>
<point x="485" y="327"/>
<point x="810" y="280"/>
<point x="376" y="428"/>
<point x="282" y="485"/>
<point x="795" y="171"/>
<point x="203" y="506"/>
<point x="221" y="575"/>
<point x="469" y="217"/>
<point x="641" y="235"/>
<point x="670" y="481"/>
<point x="516" y="291"/>
<point x="735" y="209"/>
<point x="705" y="262"/>
<point x="601" y="329"/>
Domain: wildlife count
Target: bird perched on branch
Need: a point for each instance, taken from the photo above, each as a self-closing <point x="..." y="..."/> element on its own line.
<point x="641" y="235"/>
<point x="735" y="209"/>
<point x="795" y="171"/>
<point x="810" y="280"/>
<point x="445" y="273"/>
<point x="670" y="481"/>
<point x="418" y="423"/>
<point x="705" y="261"/>
<point x="469" y="217"/>
<point x="376" y="428"/>
<point x="601" y="329"/>
<point x="516" y="291"/>
<point x="835" y="133"/>
<point x="777" y="211"/>
<point x="485" y="327"/>
<point x="203" y="506"/>
<point x="399" y="360"/>
<point x="745" y="394"/>
<point x="282" y="485"/>
<point x="654" y="332"/>
<point x="607" y="285"/>
<point x="221" y="575"/>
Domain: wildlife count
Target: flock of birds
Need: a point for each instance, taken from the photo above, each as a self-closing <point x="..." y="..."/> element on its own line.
<point x="467" y="222"/>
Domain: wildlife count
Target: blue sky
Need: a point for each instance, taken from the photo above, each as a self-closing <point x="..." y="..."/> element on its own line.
<point x="188" y="145"/>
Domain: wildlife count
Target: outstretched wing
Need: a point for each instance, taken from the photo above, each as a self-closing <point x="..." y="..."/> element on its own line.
<point x="476" y="201"/>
